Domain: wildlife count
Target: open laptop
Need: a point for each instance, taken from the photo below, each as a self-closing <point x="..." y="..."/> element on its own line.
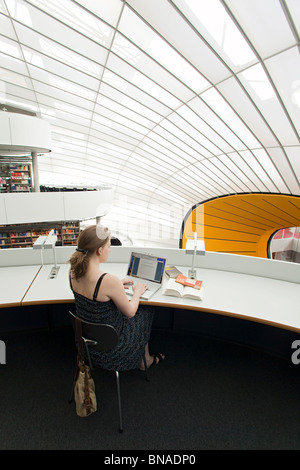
<point x="148" y="269"/>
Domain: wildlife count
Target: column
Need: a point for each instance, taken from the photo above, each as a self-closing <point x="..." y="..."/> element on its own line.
<point x="35" y="169"/>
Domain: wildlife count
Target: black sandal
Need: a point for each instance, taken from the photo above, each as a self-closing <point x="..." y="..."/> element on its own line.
<point x="156" y="356"/>
<point x="155" y="362"/>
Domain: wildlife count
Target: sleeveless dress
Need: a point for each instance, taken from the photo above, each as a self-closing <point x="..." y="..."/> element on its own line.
<point x="134" y="333"/>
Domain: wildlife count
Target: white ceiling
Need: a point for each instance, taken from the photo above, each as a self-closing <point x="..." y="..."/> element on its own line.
<point x="171" y="102"/>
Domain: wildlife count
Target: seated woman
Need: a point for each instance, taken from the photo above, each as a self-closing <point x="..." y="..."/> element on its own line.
<point x="100" y="297"/>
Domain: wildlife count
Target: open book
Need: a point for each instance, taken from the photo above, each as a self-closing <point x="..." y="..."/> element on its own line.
<point x="179" y="290"/>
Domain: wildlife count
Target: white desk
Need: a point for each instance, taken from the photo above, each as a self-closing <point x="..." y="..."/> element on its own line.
<point x="44" y="290"/>
<point x="14" y="283"/>
<point x="245" y="296"/>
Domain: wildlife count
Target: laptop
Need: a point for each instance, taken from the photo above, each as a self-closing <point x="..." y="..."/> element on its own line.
<point x="148" y="269"/>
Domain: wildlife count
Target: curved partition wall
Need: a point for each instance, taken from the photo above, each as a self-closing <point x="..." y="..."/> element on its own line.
<point x="18" y="208"/>
<point x="22" y="134"/>
<point x="241" y="223"/>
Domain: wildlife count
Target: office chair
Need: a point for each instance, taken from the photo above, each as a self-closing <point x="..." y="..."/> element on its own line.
<point x="101" y="337"/>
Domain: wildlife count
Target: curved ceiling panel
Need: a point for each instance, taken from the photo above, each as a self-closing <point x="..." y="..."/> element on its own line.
<point x="169" y="101"/>
<point x="241" y="223"/>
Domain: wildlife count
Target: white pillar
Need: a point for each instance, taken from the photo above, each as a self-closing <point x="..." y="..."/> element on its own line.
<point x="35" y="169"/>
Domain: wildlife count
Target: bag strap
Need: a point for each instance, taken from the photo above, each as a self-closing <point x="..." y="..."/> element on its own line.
<point x="78" y="330"/>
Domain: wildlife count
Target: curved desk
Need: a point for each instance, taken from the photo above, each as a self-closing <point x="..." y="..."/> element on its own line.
<point x="257" y="290"/>
<point x="255" y="298"/>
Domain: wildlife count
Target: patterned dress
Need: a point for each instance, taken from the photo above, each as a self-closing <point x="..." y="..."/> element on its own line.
<point x="134" y="333"/>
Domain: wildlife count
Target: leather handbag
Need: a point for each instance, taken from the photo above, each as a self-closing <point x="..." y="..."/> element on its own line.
<point x="84" y="389"/>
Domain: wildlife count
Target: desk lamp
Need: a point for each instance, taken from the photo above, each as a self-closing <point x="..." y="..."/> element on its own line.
<point x="50" y="243"/>
<point x="39" y="245"/>
<point x="194" y="247"/>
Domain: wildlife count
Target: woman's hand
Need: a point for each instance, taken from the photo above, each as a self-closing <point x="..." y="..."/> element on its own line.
<point x="139" y="288"/>
<point x="125" y="282"/>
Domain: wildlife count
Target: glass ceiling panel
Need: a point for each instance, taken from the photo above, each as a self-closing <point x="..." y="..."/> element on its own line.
<point x="147" y="66"/>
<point x="41" y="66"/>
<point x="228" y="164"/>
<point x="195" y="51"/>
<point x="77" y="18"/>
<point x="2" y="7"/>
<point x="264" y="23"/>
<point x="6" y="27"/>
<point x="129" y="103"/>
<point x="121" y="111"/>
<point x="255" y="171"/>
<point x="244" y="169"/>
<point x="17" y="75"/>
<point x="285" y="70"/>
<point x="10" y="48"/>
<point x="74" y="89"/>
<point x="214" y="23"/>
<point x="294" y="11"/>
<point x="193" y="138"/>
<point x="11" y="89"/>
<point x="154" y="109"/>
<point x="293" y="156"/>
<point x="183" y="149"/>
<point x="230" y="172"/>
<point x="232" y="91"/>
<point x="270" y="169"/>
<point x="205" y="135"/>
<point x="212" y="126"/>
<point x="45" y="25"/>
<point x="213" y="175"/>
<point x="63" y="96"/>
<point x="108" y="11"/>
<point x="147" y="40"/>
<point x="52" y="49"/>
<point x="217" y="103"/>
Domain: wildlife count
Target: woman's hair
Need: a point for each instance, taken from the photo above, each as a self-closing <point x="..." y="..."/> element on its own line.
<point x="88" y="242"/>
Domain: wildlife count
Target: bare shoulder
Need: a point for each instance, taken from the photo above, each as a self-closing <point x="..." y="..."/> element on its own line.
<point x="111" y="279"/>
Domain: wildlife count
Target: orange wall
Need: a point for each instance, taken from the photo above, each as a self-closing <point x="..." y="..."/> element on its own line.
<point x="241" y="223"/>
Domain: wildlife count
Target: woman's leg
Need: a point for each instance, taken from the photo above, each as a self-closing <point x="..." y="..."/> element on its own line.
<point x="150" y="359"/>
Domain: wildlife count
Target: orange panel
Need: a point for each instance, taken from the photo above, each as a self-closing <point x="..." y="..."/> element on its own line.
<point x="241" y="223"/>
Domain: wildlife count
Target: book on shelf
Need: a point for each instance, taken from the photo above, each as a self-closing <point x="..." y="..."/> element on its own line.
<point x="172" y="272"/>
<point x="177" y="289"/>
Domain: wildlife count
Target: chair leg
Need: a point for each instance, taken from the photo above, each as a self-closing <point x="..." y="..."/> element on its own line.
<point x="119" y="401"/>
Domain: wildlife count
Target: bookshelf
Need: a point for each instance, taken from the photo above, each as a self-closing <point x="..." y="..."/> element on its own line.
<point x="24" y="236"/>
<point x="15" y="177"/>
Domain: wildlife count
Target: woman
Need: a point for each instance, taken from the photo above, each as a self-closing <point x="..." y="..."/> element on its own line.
<point x="100" y="297"/>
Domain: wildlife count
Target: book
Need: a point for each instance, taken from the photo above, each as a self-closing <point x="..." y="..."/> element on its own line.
<point x="172" y="272"/>
<point x="187" y="281"/>
<point x="176" y="289"/>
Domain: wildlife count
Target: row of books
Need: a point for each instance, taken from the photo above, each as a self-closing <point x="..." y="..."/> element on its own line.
<point x="179" y="285"/>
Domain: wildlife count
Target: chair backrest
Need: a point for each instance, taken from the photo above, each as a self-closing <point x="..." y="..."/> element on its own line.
<point x="104" y="336"/>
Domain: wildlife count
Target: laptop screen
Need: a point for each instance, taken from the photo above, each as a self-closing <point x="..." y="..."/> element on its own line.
<point x="146" y="267"/>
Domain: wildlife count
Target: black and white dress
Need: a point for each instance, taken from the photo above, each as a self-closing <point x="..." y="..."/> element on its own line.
<point x="134" y="333"/>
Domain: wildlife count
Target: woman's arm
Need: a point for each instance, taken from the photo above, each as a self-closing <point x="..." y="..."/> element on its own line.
<point x="114" y="289"/>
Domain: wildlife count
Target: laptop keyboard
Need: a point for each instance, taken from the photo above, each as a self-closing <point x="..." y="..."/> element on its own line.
<point x="149" y="284"/>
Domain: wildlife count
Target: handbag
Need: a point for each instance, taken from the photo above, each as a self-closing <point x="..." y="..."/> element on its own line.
<point x="84" y="389"/>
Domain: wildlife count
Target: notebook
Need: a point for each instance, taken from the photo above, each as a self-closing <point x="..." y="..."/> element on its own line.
<point x="148" y="269"/>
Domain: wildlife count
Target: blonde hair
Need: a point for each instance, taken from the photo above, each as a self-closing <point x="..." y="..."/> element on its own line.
<point x="88" y="242"/>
